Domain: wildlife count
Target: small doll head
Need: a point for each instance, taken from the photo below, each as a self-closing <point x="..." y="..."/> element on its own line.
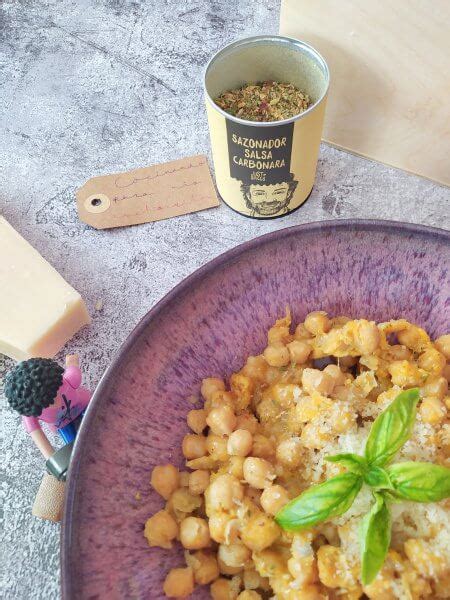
<point x="33" y="385"/>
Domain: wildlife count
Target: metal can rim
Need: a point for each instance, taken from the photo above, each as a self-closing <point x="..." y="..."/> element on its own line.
<point x="277" y="39"/>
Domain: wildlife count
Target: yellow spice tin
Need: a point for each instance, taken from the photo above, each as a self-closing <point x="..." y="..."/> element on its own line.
<point x="266" y="169"/>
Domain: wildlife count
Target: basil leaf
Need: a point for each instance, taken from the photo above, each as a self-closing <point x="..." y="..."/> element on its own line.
<point x="320" y="502"/>
<point x="377" y="478"/>
<point x="375" y="537"/>
<point x="392" y="428"/>
<point x="352" y="462"/>
<point x="420" y="481"/>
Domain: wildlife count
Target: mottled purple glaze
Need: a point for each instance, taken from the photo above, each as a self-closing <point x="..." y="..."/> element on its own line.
<point x="207" y="326"/>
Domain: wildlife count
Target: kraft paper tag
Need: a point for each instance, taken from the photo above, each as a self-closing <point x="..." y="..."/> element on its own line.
<point x="148" y="194"/>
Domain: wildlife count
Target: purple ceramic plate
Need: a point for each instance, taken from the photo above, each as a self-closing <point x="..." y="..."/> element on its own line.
<point x="207" y="326"/>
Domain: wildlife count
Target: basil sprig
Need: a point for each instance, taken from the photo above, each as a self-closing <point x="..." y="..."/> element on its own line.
<point x="375" y="537"/>
<point x="377" y="478"/>
<point x="352" y="462"/>
<point x="392" y="428"/>
<point x="419" y="482"/>
<point x="321" y="502"/>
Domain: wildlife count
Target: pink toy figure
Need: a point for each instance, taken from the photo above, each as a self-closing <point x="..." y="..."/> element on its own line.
<point x="40" y="390"/>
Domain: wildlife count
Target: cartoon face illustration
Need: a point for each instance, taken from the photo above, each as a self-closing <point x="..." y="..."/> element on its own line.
<point x="268" y="199"/>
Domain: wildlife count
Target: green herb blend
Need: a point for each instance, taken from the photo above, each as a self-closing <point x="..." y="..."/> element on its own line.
<point x="266" y="101"/>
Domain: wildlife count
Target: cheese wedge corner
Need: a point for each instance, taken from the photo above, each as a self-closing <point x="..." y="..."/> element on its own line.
<point x="39" y="310"/>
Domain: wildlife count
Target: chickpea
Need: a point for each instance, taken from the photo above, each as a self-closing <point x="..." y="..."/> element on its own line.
<point x="336" y="374"/>
<point x="217" y="446"/>
<point x="258" y="473"/>
<point x="223" y="493"/>
<point x="273" y="499"/>
<point x="222" y="420"/>
<point x="441" y="587"/>
<point x="211" y="385"/>
<point x="399" y="352"/>
<point x="267" y="411"/>
<point x="227" y="570"/>
<point x="314" y="380"/>
<point x="332" y="535"/>
<point x="432" y="410"/>
<point x="198" y="481"/>
<point x="234" y="555"/>
<point x="404" y="373"/>
<point x="317" y="322"/>
<point x="278" y="334"/>
<point x="271" y="561"/>
<point x="254" y="495"/>
<point x="194" y="446"/>
<point x="263" y="447"/>
<point x="249" y="595"/>
<point x="414" y="337"/>
<point x="251" y="579"/>
<point x="243" y="387"/>
<point x="205" y="567"/>
<point x="333" y="568"/>
<point x="443" y="345"/>
<point x="277" y="356"/>
<point x="446" y="372"/>
<point x="240" y="443"/>
<point x="236" y="466"/>
<point x="219" y="526"/>
<point x="179" y="583"/>
<point x="222" y="589"/>
<point x="301" y="333"/>
<point x="283" y="394"/>
<point x="194" y="533"/>
<point x="255" y="368"/>
<point x="313" y="592"/>
<point x="272" y="375"/>
<point x="232" y="531"/>
<point x="313" y="437"/>
<point x="303" y="569"/>
<point x="341" y="392"/>
<point x="340" y="321"/>
<point x="247" y="421"/>
<point x="161" y="529"/>
<point x="204" y="463"/>
<point x="424" y="560"/>
<point x="165" y="480"/>
<point x="305" y="410"/>
<point x="196" y="420"/>
<point x="435" y="386"/>
<point x="443" y="439"/>
<point x="265" y="585"/>
<point x="260" y="532"/>
<point x="299" y="351"/>
<point x="367" y="337"/>
<point x="220" y="399"/>
<point x="289" y="452"/>
<point x="184" y="479"/>
<point x="182" y="501"/>
<point x="432" y="361"/>
<point x="342" y="419"/>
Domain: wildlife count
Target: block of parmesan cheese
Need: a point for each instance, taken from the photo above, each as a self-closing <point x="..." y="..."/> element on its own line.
<point x="39" y="310"/>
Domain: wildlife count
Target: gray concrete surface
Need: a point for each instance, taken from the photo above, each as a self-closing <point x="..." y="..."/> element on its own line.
<point x="92" y="87"/>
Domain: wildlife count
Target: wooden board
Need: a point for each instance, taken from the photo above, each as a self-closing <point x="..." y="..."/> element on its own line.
<point x="390" y="77"/>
